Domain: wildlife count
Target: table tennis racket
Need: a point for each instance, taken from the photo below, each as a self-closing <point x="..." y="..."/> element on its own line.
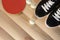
<point x="14" y="6"/>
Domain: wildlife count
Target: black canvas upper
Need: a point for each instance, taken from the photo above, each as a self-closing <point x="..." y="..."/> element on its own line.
<point x="40" y="11"/>
<point x="51" y="21"/>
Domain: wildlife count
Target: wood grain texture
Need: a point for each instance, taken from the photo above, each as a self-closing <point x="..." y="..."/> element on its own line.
<point x="12" y="28"/>
<point x="18" y="27"/>
<point x="4" y="35"/>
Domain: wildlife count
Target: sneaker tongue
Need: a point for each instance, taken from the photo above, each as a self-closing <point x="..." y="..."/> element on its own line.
<point x="13" y="6"/>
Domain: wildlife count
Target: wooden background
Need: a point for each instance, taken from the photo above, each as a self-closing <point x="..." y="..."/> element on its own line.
<point x="17" y="26"/>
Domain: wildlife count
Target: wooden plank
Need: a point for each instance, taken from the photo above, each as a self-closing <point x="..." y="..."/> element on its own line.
<point x="22" y="21"/>
<point x="13" y="29"/>
<point x="1" y="38"/>
<point x="4" y="35"/>
<point x="53" y="32"/>
<point x="25" y="26"/>
<point x="37" y="29"/>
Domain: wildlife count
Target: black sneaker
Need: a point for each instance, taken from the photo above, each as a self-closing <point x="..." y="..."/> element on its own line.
<point x="54" y="18"/>
<point x="45" y="7"/>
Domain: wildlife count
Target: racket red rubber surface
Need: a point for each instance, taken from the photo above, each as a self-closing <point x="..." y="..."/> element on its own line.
<point x="14" y="6"/>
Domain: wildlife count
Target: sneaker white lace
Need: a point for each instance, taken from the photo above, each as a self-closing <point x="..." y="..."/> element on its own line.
<point x="47" y="5"/>
<point x="57" y="15"/>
